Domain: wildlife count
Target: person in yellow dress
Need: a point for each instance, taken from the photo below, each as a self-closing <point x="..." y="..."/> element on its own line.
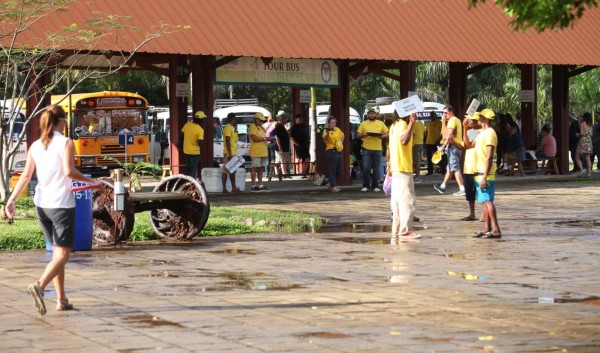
<point x="334" y="145"/>
<point x="400" y="168"/>
<point x="259" y="152"/>
<point x="230" y="139"/>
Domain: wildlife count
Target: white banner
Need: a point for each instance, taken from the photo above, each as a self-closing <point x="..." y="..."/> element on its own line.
<point x="407" y="106"/>
<point x="473" y="107"/>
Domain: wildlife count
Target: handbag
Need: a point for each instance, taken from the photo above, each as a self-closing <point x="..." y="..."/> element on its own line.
<point x="387" y="185"/>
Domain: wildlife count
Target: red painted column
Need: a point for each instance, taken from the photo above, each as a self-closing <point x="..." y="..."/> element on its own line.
<point x="560" y="114"/>
<point x="178" y="72"/>
<point x="458" y="88"/>
<point x="529" y="128"/>
<point x="202" y="99"/>
<point x="340" y="108"/>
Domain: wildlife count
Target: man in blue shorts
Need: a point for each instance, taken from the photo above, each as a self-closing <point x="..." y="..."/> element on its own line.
<point x="485" y="172"/>
<point x="453" y="147"/>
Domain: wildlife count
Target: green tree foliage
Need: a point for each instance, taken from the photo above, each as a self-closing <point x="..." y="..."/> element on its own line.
<point x="542" y="15"/>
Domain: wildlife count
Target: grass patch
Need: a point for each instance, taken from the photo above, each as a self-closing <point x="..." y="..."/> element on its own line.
<point x="25" y="232"/>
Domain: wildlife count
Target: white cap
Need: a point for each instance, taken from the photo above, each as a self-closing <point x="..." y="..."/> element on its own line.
<point x="280" y="113"/>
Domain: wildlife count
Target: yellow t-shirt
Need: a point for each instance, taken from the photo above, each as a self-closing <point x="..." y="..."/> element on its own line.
<point x="470" y="155"/>
<point x="372" y="143"/>
<point x="456" y="124"/>
<point x="434" y="132"/>
<point x="229" y="131"/>
<point x="418" y="133"/>
<point x="191" y="134"/>
<point x="257" y="149"/>
<point x="400" y="155"/>
<point x="485" y="138"/>
<point x="336" y="137"/>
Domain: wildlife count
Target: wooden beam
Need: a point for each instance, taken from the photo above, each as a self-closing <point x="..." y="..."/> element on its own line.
<point x="476" y="68"/>
<point x="560" y="115"/>
<point x="580" y="70"/>
<point x="224" y="61"/>
<point x="385" y="74"/>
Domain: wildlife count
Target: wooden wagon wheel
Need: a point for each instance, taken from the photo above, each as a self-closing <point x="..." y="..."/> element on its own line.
<point x="110" y="227"/>
<point x="186" y="219"/>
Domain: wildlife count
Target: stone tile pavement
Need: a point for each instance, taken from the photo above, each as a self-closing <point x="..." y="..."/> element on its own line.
<point x="337" y="289"/>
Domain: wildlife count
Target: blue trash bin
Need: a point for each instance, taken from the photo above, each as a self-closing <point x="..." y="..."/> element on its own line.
<point x="83" y="219"/>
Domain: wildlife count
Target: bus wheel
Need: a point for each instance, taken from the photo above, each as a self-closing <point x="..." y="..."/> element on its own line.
<point x="183" y="220"/>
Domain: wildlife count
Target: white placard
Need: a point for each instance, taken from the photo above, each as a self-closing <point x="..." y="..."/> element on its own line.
<point x="182" y="89"/>
<point x="526" y="96"/>
<point x="304" y="96"/>
<point x="234" y="163"/>
<point x="473" y="107"/>
<point x="407" y="106"/>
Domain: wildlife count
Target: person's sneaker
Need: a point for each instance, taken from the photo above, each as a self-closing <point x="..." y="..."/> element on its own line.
<point x="409" y="236"/>
<point x="377" y="190"/>
<point x="262" y="188"/>
<point x="418" y="180"/>
<point x="596" y="170"/>
<point x="439" y="189"/>
<point x="254" y="188"/>
<point x="459" y="193"/>
<point x="38" y="297"/>
<point x="364" y="189"/>
<point x="64" y="305"/>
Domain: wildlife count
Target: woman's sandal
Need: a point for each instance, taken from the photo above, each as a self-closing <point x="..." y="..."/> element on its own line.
<point x="478" y="234"/>
<point x="490" y="235"/>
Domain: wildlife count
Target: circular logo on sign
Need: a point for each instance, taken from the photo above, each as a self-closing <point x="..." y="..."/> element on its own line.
<point x="325" y="71"/>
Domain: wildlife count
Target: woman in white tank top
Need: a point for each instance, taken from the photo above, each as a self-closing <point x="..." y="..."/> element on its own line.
<point x="52" y="158"/>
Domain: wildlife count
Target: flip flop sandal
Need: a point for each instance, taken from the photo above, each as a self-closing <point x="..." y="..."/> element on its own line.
<point x="468" y="219"/>
<point x="478" y="234"/>
<point x="490" y="235"/>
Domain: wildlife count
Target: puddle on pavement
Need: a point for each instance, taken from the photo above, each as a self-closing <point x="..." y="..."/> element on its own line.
<point x="357" y="240"/>
<point x="333" y="335"/>
<point x="468" y="276"/>
<point x="354" y="228"/>
<point x="587" y="300"/>
<point x="582" y="223"/>
<point x="234" y="252"/>
<point x="145" y="320"/>
<point x="257" y="281"/>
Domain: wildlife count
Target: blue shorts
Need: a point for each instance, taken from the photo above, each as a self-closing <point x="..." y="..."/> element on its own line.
<point x="453" y="158"/>
<point x="487" y="194"/>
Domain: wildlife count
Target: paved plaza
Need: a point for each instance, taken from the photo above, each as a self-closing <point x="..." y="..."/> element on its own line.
<point x="341" y="288"/>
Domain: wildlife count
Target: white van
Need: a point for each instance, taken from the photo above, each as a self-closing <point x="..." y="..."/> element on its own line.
<point x="323" y="113"/>
<point x="19" y="158"/>
<point x="163" y="120"/>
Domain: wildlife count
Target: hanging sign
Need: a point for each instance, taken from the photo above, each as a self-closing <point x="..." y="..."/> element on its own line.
<point x="282" y="72"/>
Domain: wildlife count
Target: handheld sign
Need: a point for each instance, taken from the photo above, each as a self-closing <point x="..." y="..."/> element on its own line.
<point x="407" y="106"/>
<point x="473" y="107"/>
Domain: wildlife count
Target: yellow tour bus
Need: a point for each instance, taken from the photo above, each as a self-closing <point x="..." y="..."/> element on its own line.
<point x="108" y="123"/>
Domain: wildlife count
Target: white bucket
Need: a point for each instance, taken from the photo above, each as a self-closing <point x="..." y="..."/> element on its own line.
<point x="212" y="179"/>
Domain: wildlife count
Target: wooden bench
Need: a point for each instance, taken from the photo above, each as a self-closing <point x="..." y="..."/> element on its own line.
<point x="295" y="170"/>
<point x="549" y="166"/>
<point x="522" y="167"/>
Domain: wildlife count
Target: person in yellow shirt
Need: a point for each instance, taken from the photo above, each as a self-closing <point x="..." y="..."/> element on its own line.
<point x="193" y="134"/>
<point x="334" y="145"/>
<point x="470" y="128"/>
<point x="259" y="152"/>
<point x="485" y="173"/>
<point x="433" y="135"/>
<point x="230" y="139"/>
<point x="400" y="168"/>
<point x="372" y="131"/>
<point x="454" y="139"/>
<point x="417" y="149"/>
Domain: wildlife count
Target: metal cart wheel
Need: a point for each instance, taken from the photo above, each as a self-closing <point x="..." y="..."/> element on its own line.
<point x="110" y="227"/>
<point x="184" y="220"/>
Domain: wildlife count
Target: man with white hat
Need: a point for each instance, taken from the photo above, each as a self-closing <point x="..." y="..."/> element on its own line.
<point x="193" y="134"/>
<point x="485" y="172"/>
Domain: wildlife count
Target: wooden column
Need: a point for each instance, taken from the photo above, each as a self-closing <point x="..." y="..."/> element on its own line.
<point x="457" y="93"/>
<point x="178" y="73"/>
<point x="560" y="113"/>
<point x="529" y="128"/>
<point x="408" y="78"/>
<point x="340" y="108"/>
<point x="202" y="99"/>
